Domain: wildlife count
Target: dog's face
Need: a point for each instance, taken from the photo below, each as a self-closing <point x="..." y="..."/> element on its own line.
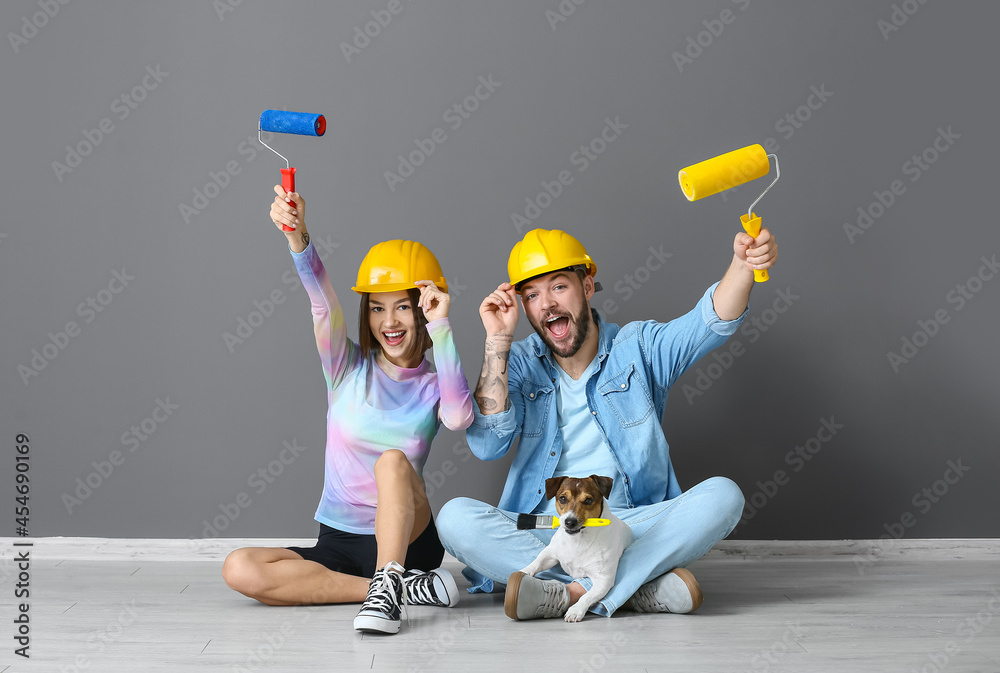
<point x="578" y="499"/>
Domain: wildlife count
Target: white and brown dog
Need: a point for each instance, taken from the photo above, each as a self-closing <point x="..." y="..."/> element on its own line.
<point x="591" y="552"/>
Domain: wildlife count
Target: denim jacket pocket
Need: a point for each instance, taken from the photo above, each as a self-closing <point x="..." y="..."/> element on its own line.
<point x="627" y="396"/>
<point x="537" y="401"/>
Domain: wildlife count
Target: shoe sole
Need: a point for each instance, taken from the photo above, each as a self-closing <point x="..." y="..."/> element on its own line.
<point x="449" y="586"/>
<point x="375" y="624"/>
<point x="692" y="584"/>
<point x="510" y="597"/>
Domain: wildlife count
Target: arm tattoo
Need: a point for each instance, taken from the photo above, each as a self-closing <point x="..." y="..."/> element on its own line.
<point x="492" y="394"/>
<point x="305" y="238"/>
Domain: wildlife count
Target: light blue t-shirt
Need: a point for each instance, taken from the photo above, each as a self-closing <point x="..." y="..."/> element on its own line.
<point x="584" y="451"/>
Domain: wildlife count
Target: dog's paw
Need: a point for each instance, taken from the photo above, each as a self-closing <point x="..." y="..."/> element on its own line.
<point x="575" y="613"/>
<point x="528" y="571"/>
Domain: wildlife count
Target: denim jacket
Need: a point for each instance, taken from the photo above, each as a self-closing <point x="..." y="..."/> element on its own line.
<point x="638" y="365"/>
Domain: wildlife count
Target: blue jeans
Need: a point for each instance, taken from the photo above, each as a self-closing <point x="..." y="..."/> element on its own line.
<point x="670" y="534"/>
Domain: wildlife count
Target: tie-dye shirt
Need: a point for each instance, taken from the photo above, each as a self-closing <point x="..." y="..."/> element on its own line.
<point x="371" y="411"/>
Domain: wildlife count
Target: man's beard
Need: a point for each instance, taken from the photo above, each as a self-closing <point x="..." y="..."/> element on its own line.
<point x="580" y="320"/>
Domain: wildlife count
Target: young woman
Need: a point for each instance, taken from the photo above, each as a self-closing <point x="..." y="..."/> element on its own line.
<point x="385" y="406"/>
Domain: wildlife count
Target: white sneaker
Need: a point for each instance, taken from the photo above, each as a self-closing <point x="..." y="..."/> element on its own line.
<point x="528" y="597"/>
<point x="436" y="588"/>
<point x="676" y="591"/>
<point x="386" y="601"/>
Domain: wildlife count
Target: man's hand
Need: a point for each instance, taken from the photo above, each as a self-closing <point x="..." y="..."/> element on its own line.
<point x="733" y="292"/>
<point x="756" y="253"/>
<point x="499" y="311"/>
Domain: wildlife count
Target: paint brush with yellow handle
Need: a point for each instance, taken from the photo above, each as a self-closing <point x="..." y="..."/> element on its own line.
<point x="534" y="522"/>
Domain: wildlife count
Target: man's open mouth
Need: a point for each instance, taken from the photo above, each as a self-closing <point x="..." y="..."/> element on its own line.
<point x="558" y="326"/>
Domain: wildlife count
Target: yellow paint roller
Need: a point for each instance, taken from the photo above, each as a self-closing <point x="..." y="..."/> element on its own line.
<point x="726" y="171"/>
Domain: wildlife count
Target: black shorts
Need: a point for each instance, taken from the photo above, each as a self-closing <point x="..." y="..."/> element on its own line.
<point x="354" y="554"/>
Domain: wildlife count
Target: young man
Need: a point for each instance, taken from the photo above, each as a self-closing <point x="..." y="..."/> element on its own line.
<point x="587" y="397"/>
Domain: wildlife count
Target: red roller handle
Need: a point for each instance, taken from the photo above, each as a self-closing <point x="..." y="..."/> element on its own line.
<point x="288" y="184"/>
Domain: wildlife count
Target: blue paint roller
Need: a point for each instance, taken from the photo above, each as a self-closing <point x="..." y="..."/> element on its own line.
<point x="299" y="123"/>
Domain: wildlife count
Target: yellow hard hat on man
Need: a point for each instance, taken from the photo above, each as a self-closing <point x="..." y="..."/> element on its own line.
<point x="543" y="251"/>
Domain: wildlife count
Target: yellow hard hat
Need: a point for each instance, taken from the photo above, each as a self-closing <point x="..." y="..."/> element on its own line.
<point x="543" y="251"/>
<point x="398" y="265"/>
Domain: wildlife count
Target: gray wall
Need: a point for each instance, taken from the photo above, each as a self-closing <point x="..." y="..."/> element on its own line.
<point x="839" y="301"/>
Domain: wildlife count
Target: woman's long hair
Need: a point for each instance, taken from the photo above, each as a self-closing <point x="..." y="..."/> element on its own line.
<point x="369" y="342"/>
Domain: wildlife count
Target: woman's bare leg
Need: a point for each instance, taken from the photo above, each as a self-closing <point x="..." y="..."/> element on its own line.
<point x="403" y="510"/>
<point x="276" y="576"/>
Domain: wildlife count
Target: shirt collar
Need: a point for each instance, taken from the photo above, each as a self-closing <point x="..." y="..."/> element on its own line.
<point x="401" y="373"/>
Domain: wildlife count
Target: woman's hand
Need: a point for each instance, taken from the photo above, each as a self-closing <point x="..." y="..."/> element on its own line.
<point x="289" y="209"/>
<point x="433" y="301"/>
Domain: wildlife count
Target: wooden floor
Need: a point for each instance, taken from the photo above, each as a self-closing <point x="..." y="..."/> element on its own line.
<point x="768" y="607"/>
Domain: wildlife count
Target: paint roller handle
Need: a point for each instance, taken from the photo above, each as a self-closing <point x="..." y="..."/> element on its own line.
<point x="288" y="184"/>
<point x="752" y="227"/>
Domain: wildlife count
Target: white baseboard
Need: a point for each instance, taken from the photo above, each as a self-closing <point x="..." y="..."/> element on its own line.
<point x="216" y="549"/>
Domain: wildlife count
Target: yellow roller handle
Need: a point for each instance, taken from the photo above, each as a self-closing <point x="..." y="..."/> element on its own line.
<point x="752" y="227"/>
<point x="723" y="172"/>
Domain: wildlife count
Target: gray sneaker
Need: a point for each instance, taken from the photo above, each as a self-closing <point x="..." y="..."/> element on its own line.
<point x="436" y="588"/>
<point x="676" y="591"/>
<point x="531" y="598"/>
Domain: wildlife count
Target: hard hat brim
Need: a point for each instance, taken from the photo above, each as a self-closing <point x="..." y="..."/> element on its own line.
<point x="589" y="265"/>
<point x="441" y="283"/>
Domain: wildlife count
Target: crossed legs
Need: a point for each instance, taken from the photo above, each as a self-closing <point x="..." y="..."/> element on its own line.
<point x="669" y="534"/>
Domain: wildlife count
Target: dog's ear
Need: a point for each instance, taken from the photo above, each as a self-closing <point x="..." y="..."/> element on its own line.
<point x="603" y="484"/>
<point x="552" y="487"/>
